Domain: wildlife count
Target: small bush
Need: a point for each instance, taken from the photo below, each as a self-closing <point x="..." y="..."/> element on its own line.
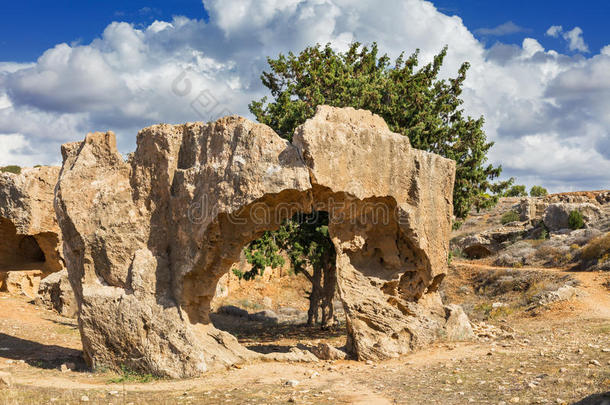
<point x="516" y="191"/>
<point x="11" y="169"/>
<point x="509" y="216"/>
<point x="538" y="191"/>
<point x="238" y="273"/>
<point x="455" y="253"/>
<point x="561" y="259"/>
<point x="575" y="220"/>
<point x="597" y="248"/>
<point x="544" y="234"/>
<point x="457" y="225"/>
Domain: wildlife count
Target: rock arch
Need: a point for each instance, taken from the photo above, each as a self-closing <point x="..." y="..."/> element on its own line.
<point x="147" y="239"/>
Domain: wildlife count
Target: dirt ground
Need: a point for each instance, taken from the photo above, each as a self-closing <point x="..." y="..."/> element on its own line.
<point x="559" y="353"/>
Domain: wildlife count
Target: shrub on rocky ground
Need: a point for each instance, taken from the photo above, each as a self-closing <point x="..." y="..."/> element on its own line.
<point x="575" y="220"/>
<point x="597" y="247"/>
<point x="596" y="253"/>
<point x="509" y="216"/>
<point x="11" y="169"/>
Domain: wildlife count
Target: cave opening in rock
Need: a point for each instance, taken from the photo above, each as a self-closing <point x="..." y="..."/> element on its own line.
<point x="18" y="252"/>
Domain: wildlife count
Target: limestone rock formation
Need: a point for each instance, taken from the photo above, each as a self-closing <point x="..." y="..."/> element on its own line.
<point x="489" y="242"/>
<point x="24" y="282"/>
<point x="324" y="351"/>
<point x="556" y="215"/>
<point x="458" y="326"/>
<point x="30" y="235"/>
<point x="56" y="293"/>
<point x="147" y="240"/>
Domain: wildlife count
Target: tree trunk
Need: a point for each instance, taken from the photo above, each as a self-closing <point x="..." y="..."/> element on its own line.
<point x="328" y="295"/>
<point x="314" y="297"/>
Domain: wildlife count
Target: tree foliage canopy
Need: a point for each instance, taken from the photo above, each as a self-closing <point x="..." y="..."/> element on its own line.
<point x="413" y="102"/>
<point x="518" y="190"/>
<point x="538" y="191"/>
<point x="304" y="238"/>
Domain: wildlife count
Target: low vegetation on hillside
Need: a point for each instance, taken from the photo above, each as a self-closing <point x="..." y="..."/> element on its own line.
<point x="11" y="169"/>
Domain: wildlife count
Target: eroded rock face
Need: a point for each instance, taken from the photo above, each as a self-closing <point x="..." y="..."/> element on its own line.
<point x="487" y="243"/>
<point x="55" y="292"/>
<point x="147" y="240"/>
<point x="556" y="215"/>
<point x="30" y="235"/>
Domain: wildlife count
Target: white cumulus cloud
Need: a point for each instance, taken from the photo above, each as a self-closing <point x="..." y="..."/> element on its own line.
<point x="574" y="37"/>
<point x="546" y="111"/>
<point x="554" y="31"/>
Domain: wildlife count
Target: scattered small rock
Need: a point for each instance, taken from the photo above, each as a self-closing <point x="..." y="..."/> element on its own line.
<point x="594" y="362"/>
<point x="6" y="379"/>
<point x="292" y="383"/>
<point x="84" y="398"/>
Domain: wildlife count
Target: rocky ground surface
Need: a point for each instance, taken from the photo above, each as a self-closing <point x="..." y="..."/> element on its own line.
<point x="530" y="349"/>
<point x="536" y="231"/>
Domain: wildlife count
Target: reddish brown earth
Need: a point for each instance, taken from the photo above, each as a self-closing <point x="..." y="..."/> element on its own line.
<point x="557" y="354"/>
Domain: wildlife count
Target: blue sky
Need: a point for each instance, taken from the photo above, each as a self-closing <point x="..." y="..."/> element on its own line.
<point x="540" y="71"/>
<point x="535" y="17"/>
<point x="29" y="27"/>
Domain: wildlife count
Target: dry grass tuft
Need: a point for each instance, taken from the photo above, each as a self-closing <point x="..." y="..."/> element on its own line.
<point x="597" y="248"/>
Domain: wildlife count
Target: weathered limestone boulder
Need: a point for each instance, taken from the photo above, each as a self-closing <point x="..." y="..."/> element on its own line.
<point x="556" y="215"/>
<point x="147" y="240"/>
<point x="30" y="238"/>
<point x="56" y="293"/>
<point x="458" y="325"/>
<point x="324" y="351"/>
<point x="527" y="208"/>
<point x="487" y="243"/>
<point x="24" y="282"/>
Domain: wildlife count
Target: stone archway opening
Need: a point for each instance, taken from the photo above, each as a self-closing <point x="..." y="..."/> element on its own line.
<point x="283" y="291"/>
<point x="384" y="280"/>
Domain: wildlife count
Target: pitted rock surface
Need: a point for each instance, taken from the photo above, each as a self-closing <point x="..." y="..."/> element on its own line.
<point x="147" y="240"/>
<point x="30" y="238"/>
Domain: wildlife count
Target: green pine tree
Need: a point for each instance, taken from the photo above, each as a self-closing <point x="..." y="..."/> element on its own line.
<point x="412" y="101"/>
